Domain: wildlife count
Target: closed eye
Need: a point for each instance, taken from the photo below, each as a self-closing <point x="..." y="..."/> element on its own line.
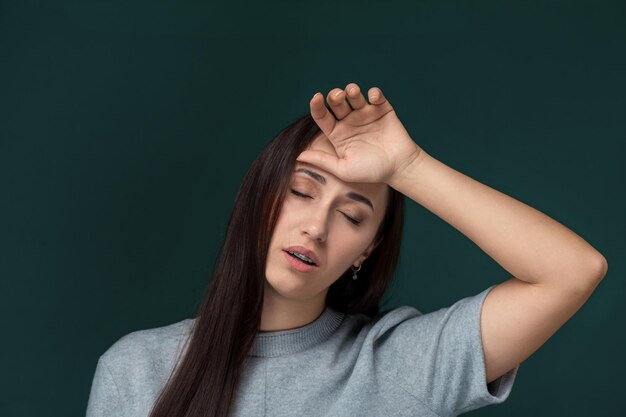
<point x="304" y="196"/>
<point x="299" y="194"/>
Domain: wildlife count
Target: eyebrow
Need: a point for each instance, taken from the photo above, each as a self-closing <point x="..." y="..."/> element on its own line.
<point x="322" y="180"/>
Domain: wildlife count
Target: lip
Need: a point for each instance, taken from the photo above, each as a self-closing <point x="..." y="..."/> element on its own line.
<point x="299" y="265"/>
<point x="307" y="252"/>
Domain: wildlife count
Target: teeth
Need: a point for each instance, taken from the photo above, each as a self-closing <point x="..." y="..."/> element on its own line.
<point x="301" y="256"/>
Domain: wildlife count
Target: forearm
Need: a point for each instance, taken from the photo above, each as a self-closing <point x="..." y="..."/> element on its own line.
<point x="528" y="244"/>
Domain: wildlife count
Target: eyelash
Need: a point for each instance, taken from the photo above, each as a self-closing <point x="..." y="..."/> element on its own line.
<point x="350" y="219"/>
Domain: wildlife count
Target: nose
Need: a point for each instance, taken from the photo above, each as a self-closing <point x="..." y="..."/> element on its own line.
<point x="316" y="226"/>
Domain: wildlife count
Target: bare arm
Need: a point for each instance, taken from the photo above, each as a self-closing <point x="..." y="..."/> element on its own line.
<point x="530" y="245"/>
<point x="554" y="270"/>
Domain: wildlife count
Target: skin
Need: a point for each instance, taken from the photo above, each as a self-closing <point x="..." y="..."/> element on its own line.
<point x="554" y="271"/>
<point x="292" y="298"/>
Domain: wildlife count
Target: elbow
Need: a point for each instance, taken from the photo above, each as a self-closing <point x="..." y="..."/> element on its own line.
<point x="598" y="269"/>
<point x="581" y="276"/>
<point x="601" y="267"/>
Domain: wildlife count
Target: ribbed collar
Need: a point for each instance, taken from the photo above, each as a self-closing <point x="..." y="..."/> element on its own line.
<point x="285" y="342"/>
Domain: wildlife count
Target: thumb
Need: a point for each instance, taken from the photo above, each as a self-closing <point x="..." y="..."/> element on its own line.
<point x="324" y="160"/>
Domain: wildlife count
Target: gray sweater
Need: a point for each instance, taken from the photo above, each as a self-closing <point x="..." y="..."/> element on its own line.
<point x="399" y="363"/>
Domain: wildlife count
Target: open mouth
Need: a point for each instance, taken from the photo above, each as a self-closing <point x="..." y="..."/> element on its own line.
<point x="299" y="264"/>
<point x="300" y="259"/>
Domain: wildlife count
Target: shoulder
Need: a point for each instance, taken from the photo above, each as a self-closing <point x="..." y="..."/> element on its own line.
<point x="405" y="330"/>
<point x="438" y="356"/>
<point x="134" y="368"/>
<point x="152" y="349"/>
<point x="466" y="307"/>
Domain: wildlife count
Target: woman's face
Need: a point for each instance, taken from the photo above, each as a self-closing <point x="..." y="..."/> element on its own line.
<point x="322" y="223"/>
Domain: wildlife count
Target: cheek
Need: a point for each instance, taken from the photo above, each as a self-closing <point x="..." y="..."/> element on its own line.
<point x="344" y="252"/>
<point x="285" y="217"/>
<point x="287" y="212"/>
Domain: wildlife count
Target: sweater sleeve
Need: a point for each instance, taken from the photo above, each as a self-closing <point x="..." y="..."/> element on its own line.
<point x="438" y="357"/>
<point x="104" y="398"/>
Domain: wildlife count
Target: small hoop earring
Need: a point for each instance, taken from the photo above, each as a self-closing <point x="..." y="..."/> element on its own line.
<point x="355" y="271"/>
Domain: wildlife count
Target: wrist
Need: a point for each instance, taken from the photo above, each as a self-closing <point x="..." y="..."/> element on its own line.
<point x="408" y="172"/>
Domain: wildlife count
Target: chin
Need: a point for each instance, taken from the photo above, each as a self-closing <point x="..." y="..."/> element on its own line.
<point x="287" y="286"/>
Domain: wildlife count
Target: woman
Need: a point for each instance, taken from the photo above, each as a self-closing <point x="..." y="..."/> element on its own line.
<point x="290" y="323"/>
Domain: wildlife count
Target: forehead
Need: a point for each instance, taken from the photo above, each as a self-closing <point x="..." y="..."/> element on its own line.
<point x="376" y="192"/>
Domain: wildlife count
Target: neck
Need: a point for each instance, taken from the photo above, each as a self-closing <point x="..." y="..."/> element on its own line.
<point x="280" y="313"/>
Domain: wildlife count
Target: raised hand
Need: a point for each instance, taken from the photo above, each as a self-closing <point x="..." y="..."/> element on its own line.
<point x="370" y="142"/>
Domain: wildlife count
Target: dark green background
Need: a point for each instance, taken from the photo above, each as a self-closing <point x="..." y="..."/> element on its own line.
<point x="126" y="129"/>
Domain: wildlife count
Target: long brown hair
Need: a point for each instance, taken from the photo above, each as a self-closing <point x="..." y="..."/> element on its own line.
<point x="203" y="384"/>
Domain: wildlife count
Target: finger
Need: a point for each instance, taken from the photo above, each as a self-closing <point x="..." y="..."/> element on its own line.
<point x="324" y="119"/>
<point x="376" y="96"/>
<point x="337" y="101"/>
<point x="355" y="98"/>
<point x="324" y="160"/>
